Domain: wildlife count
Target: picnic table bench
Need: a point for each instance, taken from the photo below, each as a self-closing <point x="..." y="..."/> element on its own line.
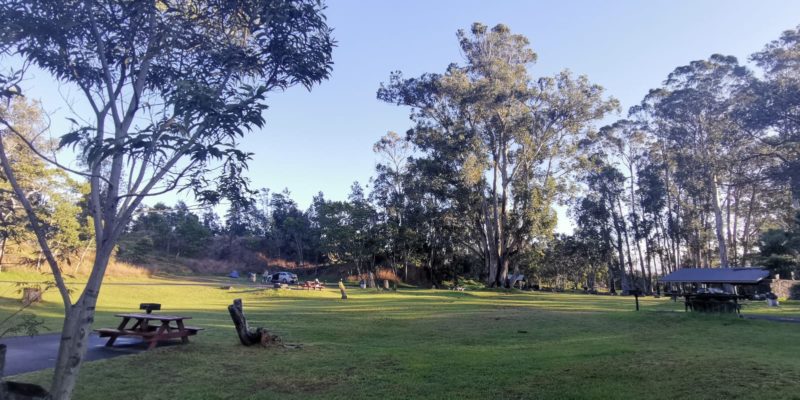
<point x="152" y="334"/>
<point x="311" y="285"/>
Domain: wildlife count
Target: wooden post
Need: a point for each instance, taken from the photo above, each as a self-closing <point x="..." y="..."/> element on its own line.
<point x="2" y="360"/>
<point x="636" y="293"/>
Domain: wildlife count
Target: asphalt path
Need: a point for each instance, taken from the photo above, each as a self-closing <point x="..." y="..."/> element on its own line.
<point x="34" y="353"/>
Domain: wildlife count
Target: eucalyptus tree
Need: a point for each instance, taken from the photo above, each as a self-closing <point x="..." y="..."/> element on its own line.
<point x="349" y="230"/>
<point x="694" y="112"/>
<point x="507" y="135"/>
<point x="388" y="191"/>
<point x="171" y="86"/>
<point x="652" y="199"/>
<point x="594" y="228"/>
<point x="629" y="143"/>
<point x="600" y="211"/>
<point x="289" y="227"/>
<point x="774" y="105"/>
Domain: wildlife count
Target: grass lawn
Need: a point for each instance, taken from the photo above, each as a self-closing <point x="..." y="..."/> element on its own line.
<point x="439" y="345"/>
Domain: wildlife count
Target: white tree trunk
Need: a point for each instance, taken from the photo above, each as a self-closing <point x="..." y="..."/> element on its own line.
<point x="719" y="225"/>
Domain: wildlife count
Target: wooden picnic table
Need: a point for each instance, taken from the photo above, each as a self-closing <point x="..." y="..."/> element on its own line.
<point x="311" y="285"/>
<point x="163" y="329"/>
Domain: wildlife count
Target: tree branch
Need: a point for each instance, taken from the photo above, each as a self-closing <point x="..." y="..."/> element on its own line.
<point x="36" y="225"/>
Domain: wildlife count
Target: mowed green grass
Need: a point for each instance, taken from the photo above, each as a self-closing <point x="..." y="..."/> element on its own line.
<point x="426" y="344"/>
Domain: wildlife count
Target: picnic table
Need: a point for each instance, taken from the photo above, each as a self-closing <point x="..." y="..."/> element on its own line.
<point x="162" y="329"/>
<point x="311" y="285"/>
<point x="713" y="302"/>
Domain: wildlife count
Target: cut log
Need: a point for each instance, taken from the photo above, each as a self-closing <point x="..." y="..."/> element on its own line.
<point x="248" y="336"/>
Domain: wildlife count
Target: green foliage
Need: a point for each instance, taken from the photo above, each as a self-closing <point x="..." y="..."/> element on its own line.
<point x="502" y="139"/>
<point x="22" y="324"/>
<point x="170" y="230"/>
<point x="54" y="195"/>
<point x="780" y="250"/>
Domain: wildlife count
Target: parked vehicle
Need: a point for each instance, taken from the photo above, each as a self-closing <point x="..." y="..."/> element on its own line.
<point x="284" y="277"/>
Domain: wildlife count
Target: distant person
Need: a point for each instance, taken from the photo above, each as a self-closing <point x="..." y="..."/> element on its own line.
<point x="234" y="274"/>
<point x="265" y="276"/>
<point x="772" y="299"/>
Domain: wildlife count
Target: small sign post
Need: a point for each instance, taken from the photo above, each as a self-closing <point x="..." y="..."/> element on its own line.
<point x="636" y="293"/>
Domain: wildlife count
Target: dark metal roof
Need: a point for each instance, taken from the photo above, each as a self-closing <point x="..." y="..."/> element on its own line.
<point x="716" y="275"/>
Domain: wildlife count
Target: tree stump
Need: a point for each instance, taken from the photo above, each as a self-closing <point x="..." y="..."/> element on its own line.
<point x="248" y="336"/>
<point x="31" y="295"/>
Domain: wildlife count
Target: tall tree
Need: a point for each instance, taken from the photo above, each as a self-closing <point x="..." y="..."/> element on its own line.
<point x="389" y="192"/>
<point x="694" y="114"/>
<point x="172" y="85"/>
<point x="506" y="135"/>
<point x="773" y="105"/>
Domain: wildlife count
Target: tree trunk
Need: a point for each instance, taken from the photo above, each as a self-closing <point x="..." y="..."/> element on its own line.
<point x="671" y="226"/>
<point x="747" y="219"/>
<point x="299" y="246"/>
<point x="503" y="271"/>
<point x="371" y="280"/>
<point x="728" y="221"/>
<point x="794" y="184"/>
<point x="405" y="266"/>
<point x="627" y="241"/>
<point x="637" y="234"/>
<point x="734" y="240"/>
<point x="247" y="336"/>
<point x="723" y="250"/>
<point x="76" y="328"/>
<point x="80" y="260"/>
<point x="620" y="250"/>
<point x="2" y="255"/>
<point x="74" y="340"/>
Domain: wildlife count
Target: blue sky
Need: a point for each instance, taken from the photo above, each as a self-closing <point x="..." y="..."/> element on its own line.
<point x="322" y="140"/>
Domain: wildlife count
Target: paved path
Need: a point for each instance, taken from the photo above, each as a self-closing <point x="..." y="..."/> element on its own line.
<point x="776" y="318"/>
<point x="27" y="354"/>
